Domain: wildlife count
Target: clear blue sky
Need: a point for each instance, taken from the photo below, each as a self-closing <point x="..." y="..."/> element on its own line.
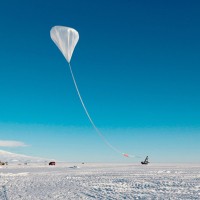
<point x="137" y="65"/>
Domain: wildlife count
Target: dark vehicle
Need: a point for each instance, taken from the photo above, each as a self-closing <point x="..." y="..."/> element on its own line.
<point x="52" y="163"/>
<point x="3" y="163"/>
<point x="145" y="162"/>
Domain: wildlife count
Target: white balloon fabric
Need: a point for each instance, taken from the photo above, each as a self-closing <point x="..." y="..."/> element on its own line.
<point x="66" y="39"/>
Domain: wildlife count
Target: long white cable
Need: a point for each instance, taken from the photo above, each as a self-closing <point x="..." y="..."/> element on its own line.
<point x="90" y="119"/>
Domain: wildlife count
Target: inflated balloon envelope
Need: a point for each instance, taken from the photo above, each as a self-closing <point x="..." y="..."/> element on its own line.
<point x="66" y="39"/>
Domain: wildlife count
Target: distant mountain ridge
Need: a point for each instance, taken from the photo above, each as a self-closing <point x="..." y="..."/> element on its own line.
<point x="9" y="157"/>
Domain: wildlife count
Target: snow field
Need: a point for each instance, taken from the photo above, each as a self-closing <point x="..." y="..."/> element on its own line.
<point x="100" y="181"/>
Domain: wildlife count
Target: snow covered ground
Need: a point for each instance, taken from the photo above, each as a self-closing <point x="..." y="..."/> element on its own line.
<point x="100" y="181"/>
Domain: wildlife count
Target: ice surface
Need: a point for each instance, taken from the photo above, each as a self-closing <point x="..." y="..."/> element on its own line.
<point x="100" y="181"/>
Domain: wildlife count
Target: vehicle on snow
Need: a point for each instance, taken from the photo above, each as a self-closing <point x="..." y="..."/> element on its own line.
<point x="146" y="161"/>
<point x="52" y="163"/>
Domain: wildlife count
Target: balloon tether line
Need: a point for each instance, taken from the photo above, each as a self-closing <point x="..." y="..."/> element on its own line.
<point x="90" y="119"/>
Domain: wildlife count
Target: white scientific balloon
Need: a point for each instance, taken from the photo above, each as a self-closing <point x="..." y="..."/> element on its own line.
<point x="66" y="39"/>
